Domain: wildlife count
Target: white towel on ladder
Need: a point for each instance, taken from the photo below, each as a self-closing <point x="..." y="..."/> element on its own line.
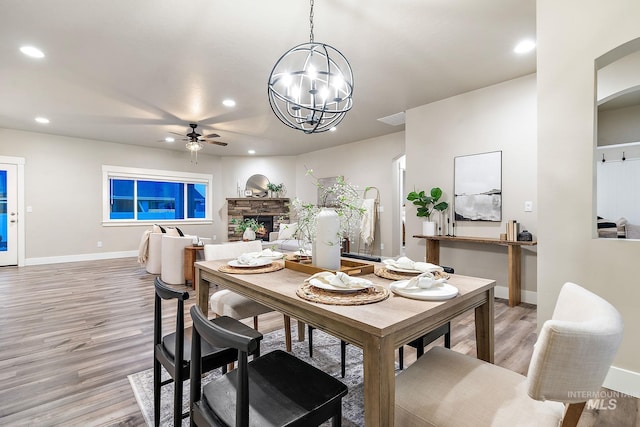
<point x="367" y="224"/>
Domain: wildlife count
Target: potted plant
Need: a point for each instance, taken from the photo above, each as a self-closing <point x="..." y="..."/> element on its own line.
<point x="247" y="227"/>
<point x="275" y="189"/>
<point x="426" y="205"/>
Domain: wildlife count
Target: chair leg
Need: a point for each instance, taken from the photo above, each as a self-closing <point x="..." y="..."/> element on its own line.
<point x="255" y="322"/>
<point x="336" y="420"/>
<point x="177" y="399"/>
<point x="156" y="392"/>
<point x="343" y="355"/>
<point x="287" y="332"/>
<point x="310" y="333"/>
<point x="401" y="357"/>
<point x="572" y="414"/>
<point x="447" y="340"/>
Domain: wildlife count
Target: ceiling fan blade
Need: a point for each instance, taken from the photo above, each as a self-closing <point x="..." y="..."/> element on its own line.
<point x="176" y="133"/>
<point x="212" y="135"/>
<point x="223" y="144"/>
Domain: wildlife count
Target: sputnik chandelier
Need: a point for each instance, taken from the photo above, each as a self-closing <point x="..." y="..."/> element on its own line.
<point x="311" y="86"/>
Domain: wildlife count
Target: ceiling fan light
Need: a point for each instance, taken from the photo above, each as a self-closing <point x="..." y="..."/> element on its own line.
<point x="194" y="146"/>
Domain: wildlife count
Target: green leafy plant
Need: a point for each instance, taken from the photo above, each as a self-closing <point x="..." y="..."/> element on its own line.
<point x="427" y="203"/>
<point x="243" y="224"/>
<point x="276" y="188"/>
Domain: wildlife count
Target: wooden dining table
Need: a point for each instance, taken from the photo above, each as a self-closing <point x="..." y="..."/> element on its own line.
<point x="378" y="328"/>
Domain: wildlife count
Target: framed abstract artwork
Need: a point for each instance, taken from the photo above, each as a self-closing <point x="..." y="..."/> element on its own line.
<point x="478" y="187"/>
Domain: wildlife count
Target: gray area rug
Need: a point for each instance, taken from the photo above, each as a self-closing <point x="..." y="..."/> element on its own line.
<point x="326" y="356"/>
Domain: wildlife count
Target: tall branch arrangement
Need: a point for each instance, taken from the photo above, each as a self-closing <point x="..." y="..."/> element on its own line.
<point x="346" y="201"/>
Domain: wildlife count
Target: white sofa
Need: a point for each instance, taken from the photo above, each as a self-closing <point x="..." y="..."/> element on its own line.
<point x="285" y="240"/>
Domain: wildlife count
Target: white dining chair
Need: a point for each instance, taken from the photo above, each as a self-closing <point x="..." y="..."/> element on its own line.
<point x="228" y="303"/>
<point x="570" y="360"/>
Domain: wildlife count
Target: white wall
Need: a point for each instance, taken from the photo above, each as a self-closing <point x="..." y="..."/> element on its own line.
<point x="497" y="118"/>
<point x="571" y="35"/>
<point x="64" y="189"/>
<point x="63" y="186"/>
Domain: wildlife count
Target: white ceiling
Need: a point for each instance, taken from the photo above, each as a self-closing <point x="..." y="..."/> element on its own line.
<point x="130" y="71"/>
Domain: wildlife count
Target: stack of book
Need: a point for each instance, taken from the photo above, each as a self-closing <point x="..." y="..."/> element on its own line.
<point x="513" y="228"/>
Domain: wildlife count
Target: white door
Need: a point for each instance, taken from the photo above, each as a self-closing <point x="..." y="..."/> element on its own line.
<point x="8" y="214"/>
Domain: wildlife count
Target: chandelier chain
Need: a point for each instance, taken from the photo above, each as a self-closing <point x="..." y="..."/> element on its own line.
<point x="311" y="23"/>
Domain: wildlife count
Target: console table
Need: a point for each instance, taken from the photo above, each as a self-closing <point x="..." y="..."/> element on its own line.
<point x="514" y="253"/>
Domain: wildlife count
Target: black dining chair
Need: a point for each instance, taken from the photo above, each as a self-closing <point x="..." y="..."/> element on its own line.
<point x="276" y="389"/>
<point x="173" y="352"/>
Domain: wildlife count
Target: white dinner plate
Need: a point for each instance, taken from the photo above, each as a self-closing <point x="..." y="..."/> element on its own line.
<point x="437" y="293"/>
<point x="260" y="262"/>
<point x="328" y="287"/>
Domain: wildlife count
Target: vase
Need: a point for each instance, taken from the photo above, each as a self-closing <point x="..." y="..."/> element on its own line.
<point x="249" y="234"/>
<point x="428" y="228"/>
<point x="326" y="252"/>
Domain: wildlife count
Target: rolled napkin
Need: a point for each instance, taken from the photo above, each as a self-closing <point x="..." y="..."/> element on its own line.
<point x="423" y="281"/>
<point x="338" y="280"/>
<point x="266" y="253"/>
<point x="407" y="264"/>
<point x="248" y="259"/>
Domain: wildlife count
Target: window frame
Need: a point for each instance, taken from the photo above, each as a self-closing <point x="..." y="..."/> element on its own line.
<point x="119" y="172"/>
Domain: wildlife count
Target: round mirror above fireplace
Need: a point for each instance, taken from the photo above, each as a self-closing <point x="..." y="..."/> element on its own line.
<point x="257" y="185"/>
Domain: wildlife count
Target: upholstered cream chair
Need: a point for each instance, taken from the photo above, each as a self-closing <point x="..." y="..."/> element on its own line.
<point x="172" y="268"/>
<point x="227" y="303"/>
<point x="570" y="361"/>
<point x="154" y="261"/>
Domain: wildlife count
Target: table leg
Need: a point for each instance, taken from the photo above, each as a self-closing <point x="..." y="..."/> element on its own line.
<point x="202" y="292"/>
<point x="433" y="251"/>
<point x="379" y="381"/>
<point x="485" y="329"/>
<point x="515" y="255"/>
<point x="301" y="327"/>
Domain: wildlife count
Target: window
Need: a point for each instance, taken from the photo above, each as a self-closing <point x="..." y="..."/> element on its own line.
<point x="134" y="195"/>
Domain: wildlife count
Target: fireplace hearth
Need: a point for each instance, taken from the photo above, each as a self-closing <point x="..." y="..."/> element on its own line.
<point x="268" y="211"/>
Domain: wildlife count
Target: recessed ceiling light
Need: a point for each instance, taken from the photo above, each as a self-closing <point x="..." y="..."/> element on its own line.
<point x="42" y="120"/>
<point x="169" y="139"/>
<point x="31" y="51"/>
<point x="229" y="103"/>
<point x="251" y="151"/>
<point x="525" y="46"/>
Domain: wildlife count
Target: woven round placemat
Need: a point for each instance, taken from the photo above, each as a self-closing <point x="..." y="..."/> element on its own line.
<point x="395" y="275"/>
<point x="274" y="266"/>
<point x="365" y="296"/>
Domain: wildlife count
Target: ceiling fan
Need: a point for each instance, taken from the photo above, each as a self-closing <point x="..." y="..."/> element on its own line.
<point x="196" y="141"/>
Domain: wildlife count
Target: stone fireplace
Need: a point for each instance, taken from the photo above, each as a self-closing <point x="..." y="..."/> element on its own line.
<point x="267" y="210"/>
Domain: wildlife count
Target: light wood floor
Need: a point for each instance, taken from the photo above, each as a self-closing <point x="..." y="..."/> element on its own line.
<point x="71" y="333"/>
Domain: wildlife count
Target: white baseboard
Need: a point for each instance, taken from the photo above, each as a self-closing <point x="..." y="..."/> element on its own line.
<point x="623" y="381"/>
<point x="81" y="257"/>
<point x="529" y="297"/>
